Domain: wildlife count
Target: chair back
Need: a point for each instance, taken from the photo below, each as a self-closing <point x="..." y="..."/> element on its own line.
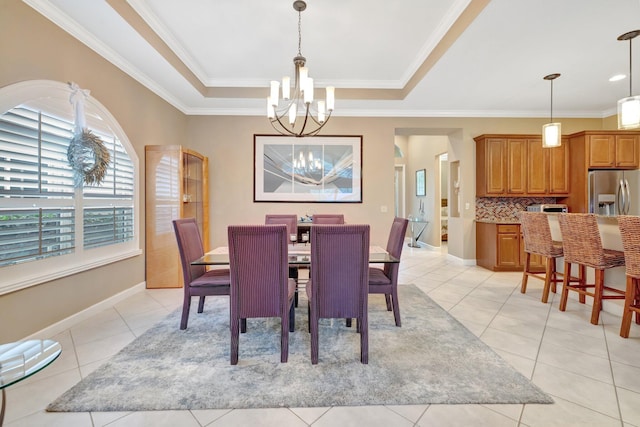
<point x="537" y="234"/>
<point x="394" y="246"/>
<point x="190" y="248"/>
<point x="581" y="240"/>
<point x="327" y="219"/>
<point x="340" y="270"/>
<point x="630" y="232"/>
<point x="259" y="270"/>
<point x="291" y="221"/>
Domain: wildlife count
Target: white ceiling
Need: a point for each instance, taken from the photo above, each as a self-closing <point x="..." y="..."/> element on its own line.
<point x="422" y="58"/>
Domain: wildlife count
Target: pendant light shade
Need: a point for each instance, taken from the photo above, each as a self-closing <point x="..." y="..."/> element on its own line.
<point x="629" y="107"/>
<point x="551" y="132"/>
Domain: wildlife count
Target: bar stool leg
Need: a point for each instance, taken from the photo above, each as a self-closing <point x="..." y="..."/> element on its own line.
<point x="597" y="296"/>
<point x="525" y="273"/>
<point x="549" y="274"/>
<point x="627" y="313"/>
<point x="565" y="289"/>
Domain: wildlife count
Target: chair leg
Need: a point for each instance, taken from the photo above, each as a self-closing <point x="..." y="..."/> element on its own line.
<point x="201" y="304"/>
<point x="235" y="339"/>
<point x="565" y="284"/>
<point x="387" y="298"/>
<point x="548" y="275"/>
<point x="186" y="304"/>
<point x="284" y="336"/>
<point x="597" y="296"/>
<point x="364" y="339"/>
<point x="629" y="298"/>
<point x="525" y="273"/>
<point x="313" y="327"/>
<point x="292" y="318"/>
<point x="396" y="306"/>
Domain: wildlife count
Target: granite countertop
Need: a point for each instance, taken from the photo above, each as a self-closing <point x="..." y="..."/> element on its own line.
<point x="498" y="221"/>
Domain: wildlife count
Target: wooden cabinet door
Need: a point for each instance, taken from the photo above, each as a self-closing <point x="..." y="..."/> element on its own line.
<point x="537" y="161"/>
<point x="508" y="254"/>
<point x="626" y="151"/>
<point x="559" y="174"/>
<point x="517" y="166"/>
<point x="495" y="160"/>
<point x="601" y="151"/>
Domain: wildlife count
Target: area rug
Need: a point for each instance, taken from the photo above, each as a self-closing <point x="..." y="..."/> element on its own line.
<point x="432" y="358"/>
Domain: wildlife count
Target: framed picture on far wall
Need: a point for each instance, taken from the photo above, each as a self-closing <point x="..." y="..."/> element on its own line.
<point x="421" y="182"/>
<point x="309" y="169"/>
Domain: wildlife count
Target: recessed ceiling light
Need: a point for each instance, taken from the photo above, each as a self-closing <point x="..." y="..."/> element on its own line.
<point x="618" y="77"/>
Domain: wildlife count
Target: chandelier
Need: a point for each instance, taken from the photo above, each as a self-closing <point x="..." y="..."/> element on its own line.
<point x="295" y="114"/>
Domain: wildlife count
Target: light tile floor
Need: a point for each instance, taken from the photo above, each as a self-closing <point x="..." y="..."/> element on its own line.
<point x="592" y="373"/>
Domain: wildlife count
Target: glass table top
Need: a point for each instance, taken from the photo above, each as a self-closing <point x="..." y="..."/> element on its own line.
<point x="299" y="254"/>
<point x="20" y="360"/>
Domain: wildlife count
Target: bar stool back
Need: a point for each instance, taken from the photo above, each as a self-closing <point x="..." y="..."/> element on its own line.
<point x="630" y="232"/>
<point x="538" y="241"/>
<point x="582" y="245"/>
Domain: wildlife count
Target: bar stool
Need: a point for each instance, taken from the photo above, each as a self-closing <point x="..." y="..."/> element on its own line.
<point x="538" y="241"/>
<point x="630" y="232"/>
<point x="582" y="245"/>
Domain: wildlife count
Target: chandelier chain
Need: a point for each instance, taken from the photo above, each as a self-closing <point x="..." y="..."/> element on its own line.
<point x="299" y="33"/>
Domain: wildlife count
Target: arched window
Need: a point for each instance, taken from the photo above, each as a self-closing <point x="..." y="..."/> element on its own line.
<point x="50" y="228"/>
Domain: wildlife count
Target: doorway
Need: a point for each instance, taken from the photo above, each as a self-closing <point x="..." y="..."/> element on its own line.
<point x="444" y="197"/>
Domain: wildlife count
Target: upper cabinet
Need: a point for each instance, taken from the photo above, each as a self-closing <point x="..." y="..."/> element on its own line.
<point x="606" y="150"/>
<point x="601" y="149"/>
<point x="518" y="166"/>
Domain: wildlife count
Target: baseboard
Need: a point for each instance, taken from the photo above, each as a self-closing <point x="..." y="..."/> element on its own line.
<point x="74" y="319"/>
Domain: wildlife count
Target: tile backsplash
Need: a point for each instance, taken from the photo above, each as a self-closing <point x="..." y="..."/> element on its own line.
<point x="505" y="208"/>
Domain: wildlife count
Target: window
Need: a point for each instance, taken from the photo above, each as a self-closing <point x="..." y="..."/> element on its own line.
<point x="48" y="227"/>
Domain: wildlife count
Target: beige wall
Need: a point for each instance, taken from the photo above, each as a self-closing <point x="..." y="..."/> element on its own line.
<point x="45" y="52"/>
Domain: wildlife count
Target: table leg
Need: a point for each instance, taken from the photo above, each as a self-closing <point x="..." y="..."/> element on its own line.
<point x="4" y="405"/>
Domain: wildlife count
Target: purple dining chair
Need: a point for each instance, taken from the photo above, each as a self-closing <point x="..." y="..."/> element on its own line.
<point x="260" y="286"/>
<point x="339" y="282"/>
<point x="327" y="219"/>
<point x="197" y="280"/>
<point x="291" y="221"/>
<point x="385" y="280"/>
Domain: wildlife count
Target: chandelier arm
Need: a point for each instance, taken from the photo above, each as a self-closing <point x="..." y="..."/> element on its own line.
<point x="283" y="130"/>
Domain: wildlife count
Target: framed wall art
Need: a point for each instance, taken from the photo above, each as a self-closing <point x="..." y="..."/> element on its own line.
<point x="309" y="169"/>
<point x="421" y="182"/>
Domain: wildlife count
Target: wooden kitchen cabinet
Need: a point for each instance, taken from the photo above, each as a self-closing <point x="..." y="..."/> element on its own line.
<point x="176" y="187"/>
<point x="500" y="247"/>
<point x="602" y="149"/>
<point x="611" y="151"/>
<point x="491" y="170"/>
<point x="518" y="166"/>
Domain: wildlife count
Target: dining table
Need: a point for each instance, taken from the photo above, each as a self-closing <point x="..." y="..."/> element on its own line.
<point x="299" y="255"/>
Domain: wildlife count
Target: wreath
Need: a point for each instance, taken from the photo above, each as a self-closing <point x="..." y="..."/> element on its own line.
<point x="88" y="157"/>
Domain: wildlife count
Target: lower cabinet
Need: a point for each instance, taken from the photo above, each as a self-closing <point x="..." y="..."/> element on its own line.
<point x="500" y="247"/>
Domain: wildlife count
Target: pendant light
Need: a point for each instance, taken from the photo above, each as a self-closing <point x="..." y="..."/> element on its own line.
<point x="629" y="108"/>
<point x="551" y="132"/>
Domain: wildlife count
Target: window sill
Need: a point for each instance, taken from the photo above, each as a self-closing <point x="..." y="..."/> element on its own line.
<point x="16" y="282"/>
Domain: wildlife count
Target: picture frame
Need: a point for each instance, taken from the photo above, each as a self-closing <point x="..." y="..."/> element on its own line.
<point x="317" y="169"/>
<point x="421" y="182"/>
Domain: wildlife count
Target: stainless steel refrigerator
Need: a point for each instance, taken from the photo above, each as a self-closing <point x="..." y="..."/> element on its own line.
<point x="614" y="192"/>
